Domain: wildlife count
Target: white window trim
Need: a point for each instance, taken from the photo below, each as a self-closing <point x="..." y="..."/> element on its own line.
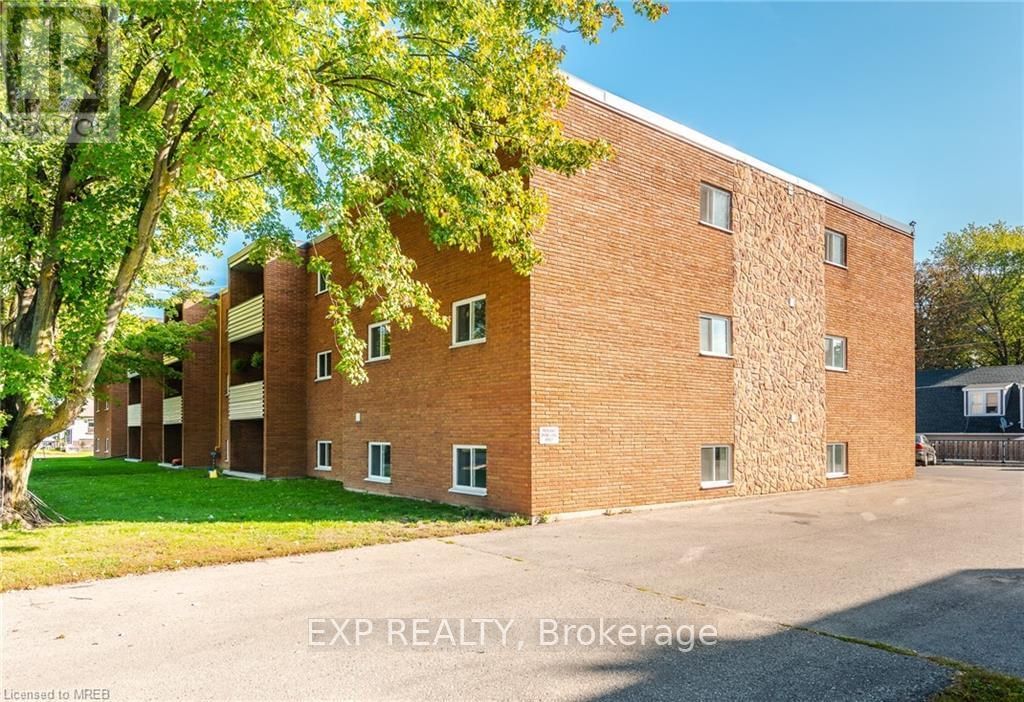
<point x="369" y="341"/>
<point x="321" y="283"/>
<point x="461" y="489"/>
<point x="319" y="443"/>
<point x="715" y="226"/>
<point x="712" y="224"/>
<point x="1001" y="389"/>
<point x="317" y="378"/>
<point x="846" y="459"/>
<point x="711" y="484"/>
<point x="711" y="354"/>
<point x="370" y="478"/>
<point x="470" y="342"/>
<point x="846" y="355"/>
<point x="846" y="249"/>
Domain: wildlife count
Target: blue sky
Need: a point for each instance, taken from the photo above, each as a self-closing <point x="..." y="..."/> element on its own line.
<point x="912" y="109"/>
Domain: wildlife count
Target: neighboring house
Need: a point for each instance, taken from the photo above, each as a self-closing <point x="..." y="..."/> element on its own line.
<point x="971" y="402"/>
<point x="77" y="437"/>
<point x="702" y="325"/>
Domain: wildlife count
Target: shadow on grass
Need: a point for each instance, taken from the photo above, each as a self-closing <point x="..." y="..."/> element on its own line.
<point x="93" y="490"/>
<point x="18" y="549"/>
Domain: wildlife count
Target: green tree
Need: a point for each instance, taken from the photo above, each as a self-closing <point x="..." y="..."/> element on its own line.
<point x="970" y="299"/>
<point x="344" y="113"/>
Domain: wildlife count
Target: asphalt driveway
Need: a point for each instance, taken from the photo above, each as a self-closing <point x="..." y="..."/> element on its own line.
<point x="935" y="565"/>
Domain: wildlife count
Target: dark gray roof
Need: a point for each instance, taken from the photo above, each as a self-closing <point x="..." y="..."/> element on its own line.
<point x="958" y="377"/>
<point x="940" y="399"/>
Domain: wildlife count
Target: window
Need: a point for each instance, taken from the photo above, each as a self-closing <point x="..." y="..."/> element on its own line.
<point x="715" y="335"/>
<point x="715" y="207"/>
<point x="983" y="402"/>
<point x="836" y="461"/>
<point x="323" y="455"/>
<point x="469" y="321"/>
<point x="379" y="341"/>
<point x="835" y="352"/>
<point x="321" y="283"/>
<point x="379" y="462"/>
<point x="323" y="365"/>
<point x="108" y="444"/>
<point x="715" y="466"/>
<point x="835" y="248"/>
<point x="469" y="470"/>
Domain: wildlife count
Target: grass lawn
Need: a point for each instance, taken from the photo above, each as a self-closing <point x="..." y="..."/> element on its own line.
<point x="137" y="517"/>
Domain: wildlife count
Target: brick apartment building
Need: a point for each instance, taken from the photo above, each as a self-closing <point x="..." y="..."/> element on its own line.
<point x="172" y="421"/>
<point x="191" y="395"/>
<point x="703" y="325"/>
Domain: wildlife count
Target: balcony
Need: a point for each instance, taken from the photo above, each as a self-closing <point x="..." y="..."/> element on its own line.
<point x="246" y="401"/>
<point x="135" y="415"/>
<point x="245" y="319"/>
<point x="172" y="410"/>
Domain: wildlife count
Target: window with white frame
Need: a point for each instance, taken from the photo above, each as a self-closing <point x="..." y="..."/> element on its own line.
<point x="469" y="469"/>
<point x="379" y="462"/>
<point x="984" y="402"/>
<point x="321" y="283"/>
<point x="323" y="365"/>
<point x="715" y="466"/>
<point x="836" y="461"/>
<point x="715" y="335"/>
<point x="108" y="444"/>
<point x="323" y="455"/>
<point x="835" y="352"/>
<point x="835" y="248"/>
<point x="715" y="207"/>
<point x="378" y="345"/>
<point x="469" y="321"/>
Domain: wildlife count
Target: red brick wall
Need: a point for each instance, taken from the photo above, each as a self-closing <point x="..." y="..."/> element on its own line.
<point x="871" y="407"/>
<point x="284" y="369"/>
<point x="615" y="339"/>
<point x="429" y="396"/>
<point x="200" y="387"/>
<point x="111" y="422"/>
<point x="152" y="419"/>
<point x="615" y="333"/>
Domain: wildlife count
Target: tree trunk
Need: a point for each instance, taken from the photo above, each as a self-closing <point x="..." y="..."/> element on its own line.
<point x="18" y="506"/>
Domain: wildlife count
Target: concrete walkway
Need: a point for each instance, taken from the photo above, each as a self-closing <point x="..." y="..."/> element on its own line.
<point x="935" y="564"/>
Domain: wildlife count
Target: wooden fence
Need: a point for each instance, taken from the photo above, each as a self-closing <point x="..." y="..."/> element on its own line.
<point x="980" y="450"/>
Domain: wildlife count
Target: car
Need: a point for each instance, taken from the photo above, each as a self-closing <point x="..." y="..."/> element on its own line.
<point x="924" y="451"/>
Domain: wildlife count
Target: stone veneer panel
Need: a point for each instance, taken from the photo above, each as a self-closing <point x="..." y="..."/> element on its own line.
<point x="779" y="362"/>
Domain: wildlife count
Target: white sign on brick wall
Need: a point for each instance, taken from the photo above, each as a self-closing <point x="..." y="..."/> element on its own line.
<point x="549" y="435"/>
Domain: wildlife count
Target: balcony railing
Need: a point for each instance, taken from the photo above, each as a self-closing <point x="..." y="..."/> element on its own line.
<point x="246" y="401"/>
<point x="135" y="415"/>
<point x="172" y="410"/>
<point x="245" y="319"/>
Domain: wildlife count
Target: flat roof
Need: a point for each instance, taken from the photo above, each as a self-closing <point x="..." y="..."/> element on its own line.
<point x="703" y="141"/>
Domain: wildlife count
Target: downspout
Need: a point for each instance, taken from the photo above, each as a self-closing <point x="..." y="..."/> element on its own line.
<point x="220" y="372"/>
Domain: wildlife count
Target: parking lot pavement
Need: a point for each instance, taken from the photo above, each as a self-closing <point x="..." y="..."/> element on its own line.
<point x="933" y="564"/>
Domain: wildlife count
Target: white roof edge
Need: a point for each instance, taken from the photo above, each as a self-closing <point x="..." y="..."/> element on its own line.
<point x="707" y="143"/>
